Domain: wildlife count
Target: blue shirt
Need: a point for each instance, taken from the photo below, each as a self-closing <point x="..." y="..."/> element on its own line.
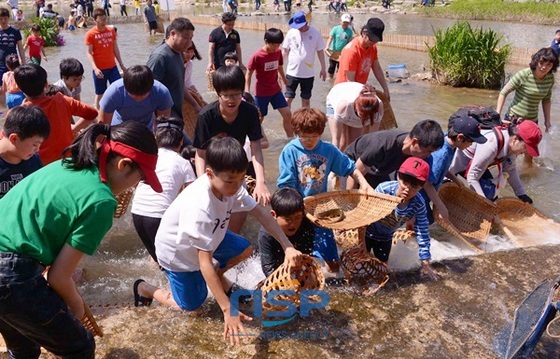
<point x="439" y="162"/>
<point x="555" y="46"/>
<point x="116" y="100"/>
<point x="384" y="229"/>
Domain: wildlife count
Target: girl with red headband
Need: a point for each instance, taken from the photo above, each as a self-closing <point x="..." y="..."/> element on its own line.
<point x="54" y="217"/>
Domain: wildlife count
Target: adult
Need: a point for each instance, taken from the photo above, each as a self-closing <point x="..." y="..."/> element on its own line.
<point x="166" y="61"/>
<point x="135" y="97"/>
<point x="484" y="164"/>
<point x="13" y="4"/>
<point x="151" y="17"/>
<point x="381" y="153"/>
<point x="351" y="108"/>
<point x="301" y="44"/>
<point x="340" y="36"/>
<point x="48" y="13"/>
<point x="532" y="85"/>
<point x="222" y="40"/>
<point x="10" y="41"/>
<point x="102" y="50"/>
<point x="360" y="55"/>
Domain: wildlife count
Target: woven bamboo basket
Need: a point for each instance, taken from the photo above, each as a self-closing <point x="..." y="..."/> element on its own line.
<point x="523" y="223"/>
<point x="88" y="321"/>
<point x="190" y="115"/>
<point x="348" y="209"/>
<point x="306" y="275"/>
<point x="362" y="267"/>
<point x="333" y="54"/>
<point x="209" y="84"/>
<point x="123" y="200"/>
<point x="389" y="120"/>
<point x="350" y="237"/>
<point x="251" y="183"/>
<point x="470" y="215"/>
<point x="402" y="235"/>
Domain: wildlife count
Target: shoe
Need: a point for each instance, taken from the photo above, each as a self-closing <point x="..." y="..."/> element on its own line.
<point x="140" y="301"/>
<point x="243" y="299"/>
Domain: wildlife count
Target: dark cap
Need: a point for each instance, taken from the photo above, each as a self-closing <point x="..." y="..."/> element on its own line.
<point x="469" y="127"/>
<point x="374" y="29"/>
<point x="416" y="167"/>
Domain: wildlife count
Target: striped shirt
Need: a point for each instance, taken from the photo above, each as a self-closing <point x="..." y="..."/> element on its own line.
<point x="384" y="229"/>
<point x="529" y="92"/>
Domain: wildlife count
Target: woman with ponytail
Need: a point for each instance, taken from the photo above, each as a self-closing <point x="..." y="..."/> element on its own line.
<point x="52" y="218"/>
<point x="352" y="109"/>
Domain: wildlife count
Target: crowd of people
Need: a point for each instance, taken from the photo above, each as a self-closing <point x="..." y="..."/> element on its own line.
<point x="63" y="162"/>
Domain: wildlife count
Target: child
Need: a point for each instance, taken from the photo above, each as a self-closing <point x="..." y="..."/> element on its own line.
<point x="36" y="45"/>
<point x="71" y="23"/>
<point x="379" y="154"/>
<point x="305" y="164"/>
<point x="267" y="63"/>
<point x="71" y="203"/>
<point x="174" y="173"/>
<point x="156" y="7"/>
<point x="59" y="109"/>
<point x="231" y="59"/>
<point x="24" y="130"/>
<point x="20" y="15"/>
<point x="193" y="231"/>
<point x="71" y="76"/>
<point x="411" y="176"/>
<point x="288" y="210"/>
<point x="14" y="96"/>
<point x="555" y="44"/>
<point x="231" y="116"/>
<point x="461" y="134"/>
<point x="190" y="90"/>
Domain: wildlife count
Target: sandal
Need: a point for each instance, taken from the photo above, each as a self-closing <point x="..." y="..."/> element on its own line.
<point x="140" y="301"/>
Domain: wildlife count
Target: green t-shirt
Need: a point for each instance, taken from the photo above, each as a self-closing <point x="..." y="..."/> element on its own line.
<point x="341" y="37"/>
<point x="53" y="206"/>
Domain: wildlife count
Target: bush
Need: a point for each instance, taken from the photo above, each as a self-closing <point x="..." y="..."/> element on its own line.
<point x="463" y="56"/>
<point x="49" y="31"/>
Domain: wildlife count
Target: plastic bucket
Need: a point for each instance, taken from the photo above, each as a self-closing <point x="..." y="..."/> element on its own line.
<point x="397" y="71"/>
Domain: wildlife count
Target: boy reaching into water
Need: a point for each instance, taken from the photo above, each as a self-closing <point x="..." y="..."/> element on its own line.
<point x="305" y="164"/>
<point x="288" y="210"/>
<point x="193" y="231"/>
<point x="411" y="176"/>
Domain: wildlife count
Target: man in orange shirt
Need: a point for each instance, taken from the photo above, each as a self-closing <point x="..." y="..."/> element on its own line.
<point x="102" y="50"/>
<point x="59" y="109"/>
<point x="360" y="55"/>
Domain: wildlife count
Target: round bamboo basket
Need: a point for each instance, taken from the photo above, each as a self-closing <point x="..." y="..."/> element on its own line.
<point x="470" y="215"/>
<point x="362" y="267"/>
<point x="389" y="120"/>
<point x="88" y="321"/>
<point x="123" y="200"/>
<point x="403" y="235"/>
<point x="190" y="115"/>
<point x="251" y="183"/>
<point x="306" y="275"/>
<point x="348" y="209"/>
<point x="349" y="238"/>
<point x="209" y="84"/>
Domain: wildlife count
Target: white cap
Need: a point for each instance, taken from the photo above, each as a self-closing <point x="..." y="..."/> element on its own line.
<point x="346" y="18"/>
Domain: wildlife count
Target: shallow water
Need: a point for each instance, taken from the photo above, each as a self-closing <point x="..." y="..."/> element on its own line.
<point x="121" y="259"/>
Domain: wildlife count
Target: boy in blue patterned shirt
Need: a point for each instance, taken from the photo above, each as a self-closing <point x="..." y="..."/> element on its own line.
<point x="411" y="176"/>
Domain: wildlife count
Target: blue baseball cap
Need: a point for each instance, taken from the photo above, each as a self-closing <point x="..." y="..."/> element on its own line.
<point x="298" y="20"/>
<point x="469" y="127"/>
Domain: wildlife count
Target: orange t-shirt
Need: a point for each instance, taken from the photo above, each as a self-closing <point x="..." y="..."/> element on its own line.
<point x="59" y="110"/>
<point x="355" y="58"/>
<point x="103" y="44"/>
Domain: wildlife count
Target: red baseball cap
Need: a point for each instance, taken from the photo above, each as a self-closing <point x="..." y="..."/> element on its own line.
<point x="416" y="167"/>
<point x="531" y="134"/>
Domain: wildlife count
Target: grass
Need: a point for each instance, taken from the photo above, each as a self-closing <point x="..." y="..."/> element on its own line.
<point x="469" y="57"/>
<point x="546" y="13"/>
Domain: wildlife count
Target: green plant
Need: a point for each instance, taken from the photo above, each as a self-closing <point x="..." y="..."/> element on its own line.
<point x="49" y="31"/>
<point x="470" y="57"/>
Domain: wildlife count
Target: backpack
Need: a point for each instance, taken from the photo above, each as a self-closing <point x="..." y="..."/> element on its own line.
<point x="486" y="116"/>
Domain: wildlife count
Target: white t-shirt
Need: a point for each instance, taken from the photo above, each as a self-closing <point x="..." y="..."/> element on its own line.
<point x="196" y="220"/>
<point x="188" y="75"/>
<point x="342" y="97"/>
<point x="173" y="172"/>
<point x="67" y="92"/>
<point x="303" y="51"/>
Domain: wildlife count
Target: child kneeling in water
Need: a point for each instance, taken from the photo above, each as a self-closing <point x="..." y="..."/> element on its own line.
<point x="193" y="231"/>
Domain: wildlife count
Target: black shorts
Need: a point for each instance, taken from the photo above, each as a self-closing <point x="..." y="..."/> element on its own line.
<point x="306" y="87"/>
<point x="152" y="25"/>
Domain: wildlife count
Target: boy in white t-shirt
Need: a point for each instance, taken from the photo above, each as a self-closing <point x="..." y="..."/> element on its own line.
<point x="302" y="43"/>
<point x="193" y="231"/>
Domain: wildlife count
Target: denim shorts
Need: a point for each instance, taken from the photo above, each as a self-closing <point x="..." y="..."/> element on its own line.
<point x="189" y="288"/>
<point x="110" y="75"/>
<point x="277" y="101"/>
<point x="32" y="314"/>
